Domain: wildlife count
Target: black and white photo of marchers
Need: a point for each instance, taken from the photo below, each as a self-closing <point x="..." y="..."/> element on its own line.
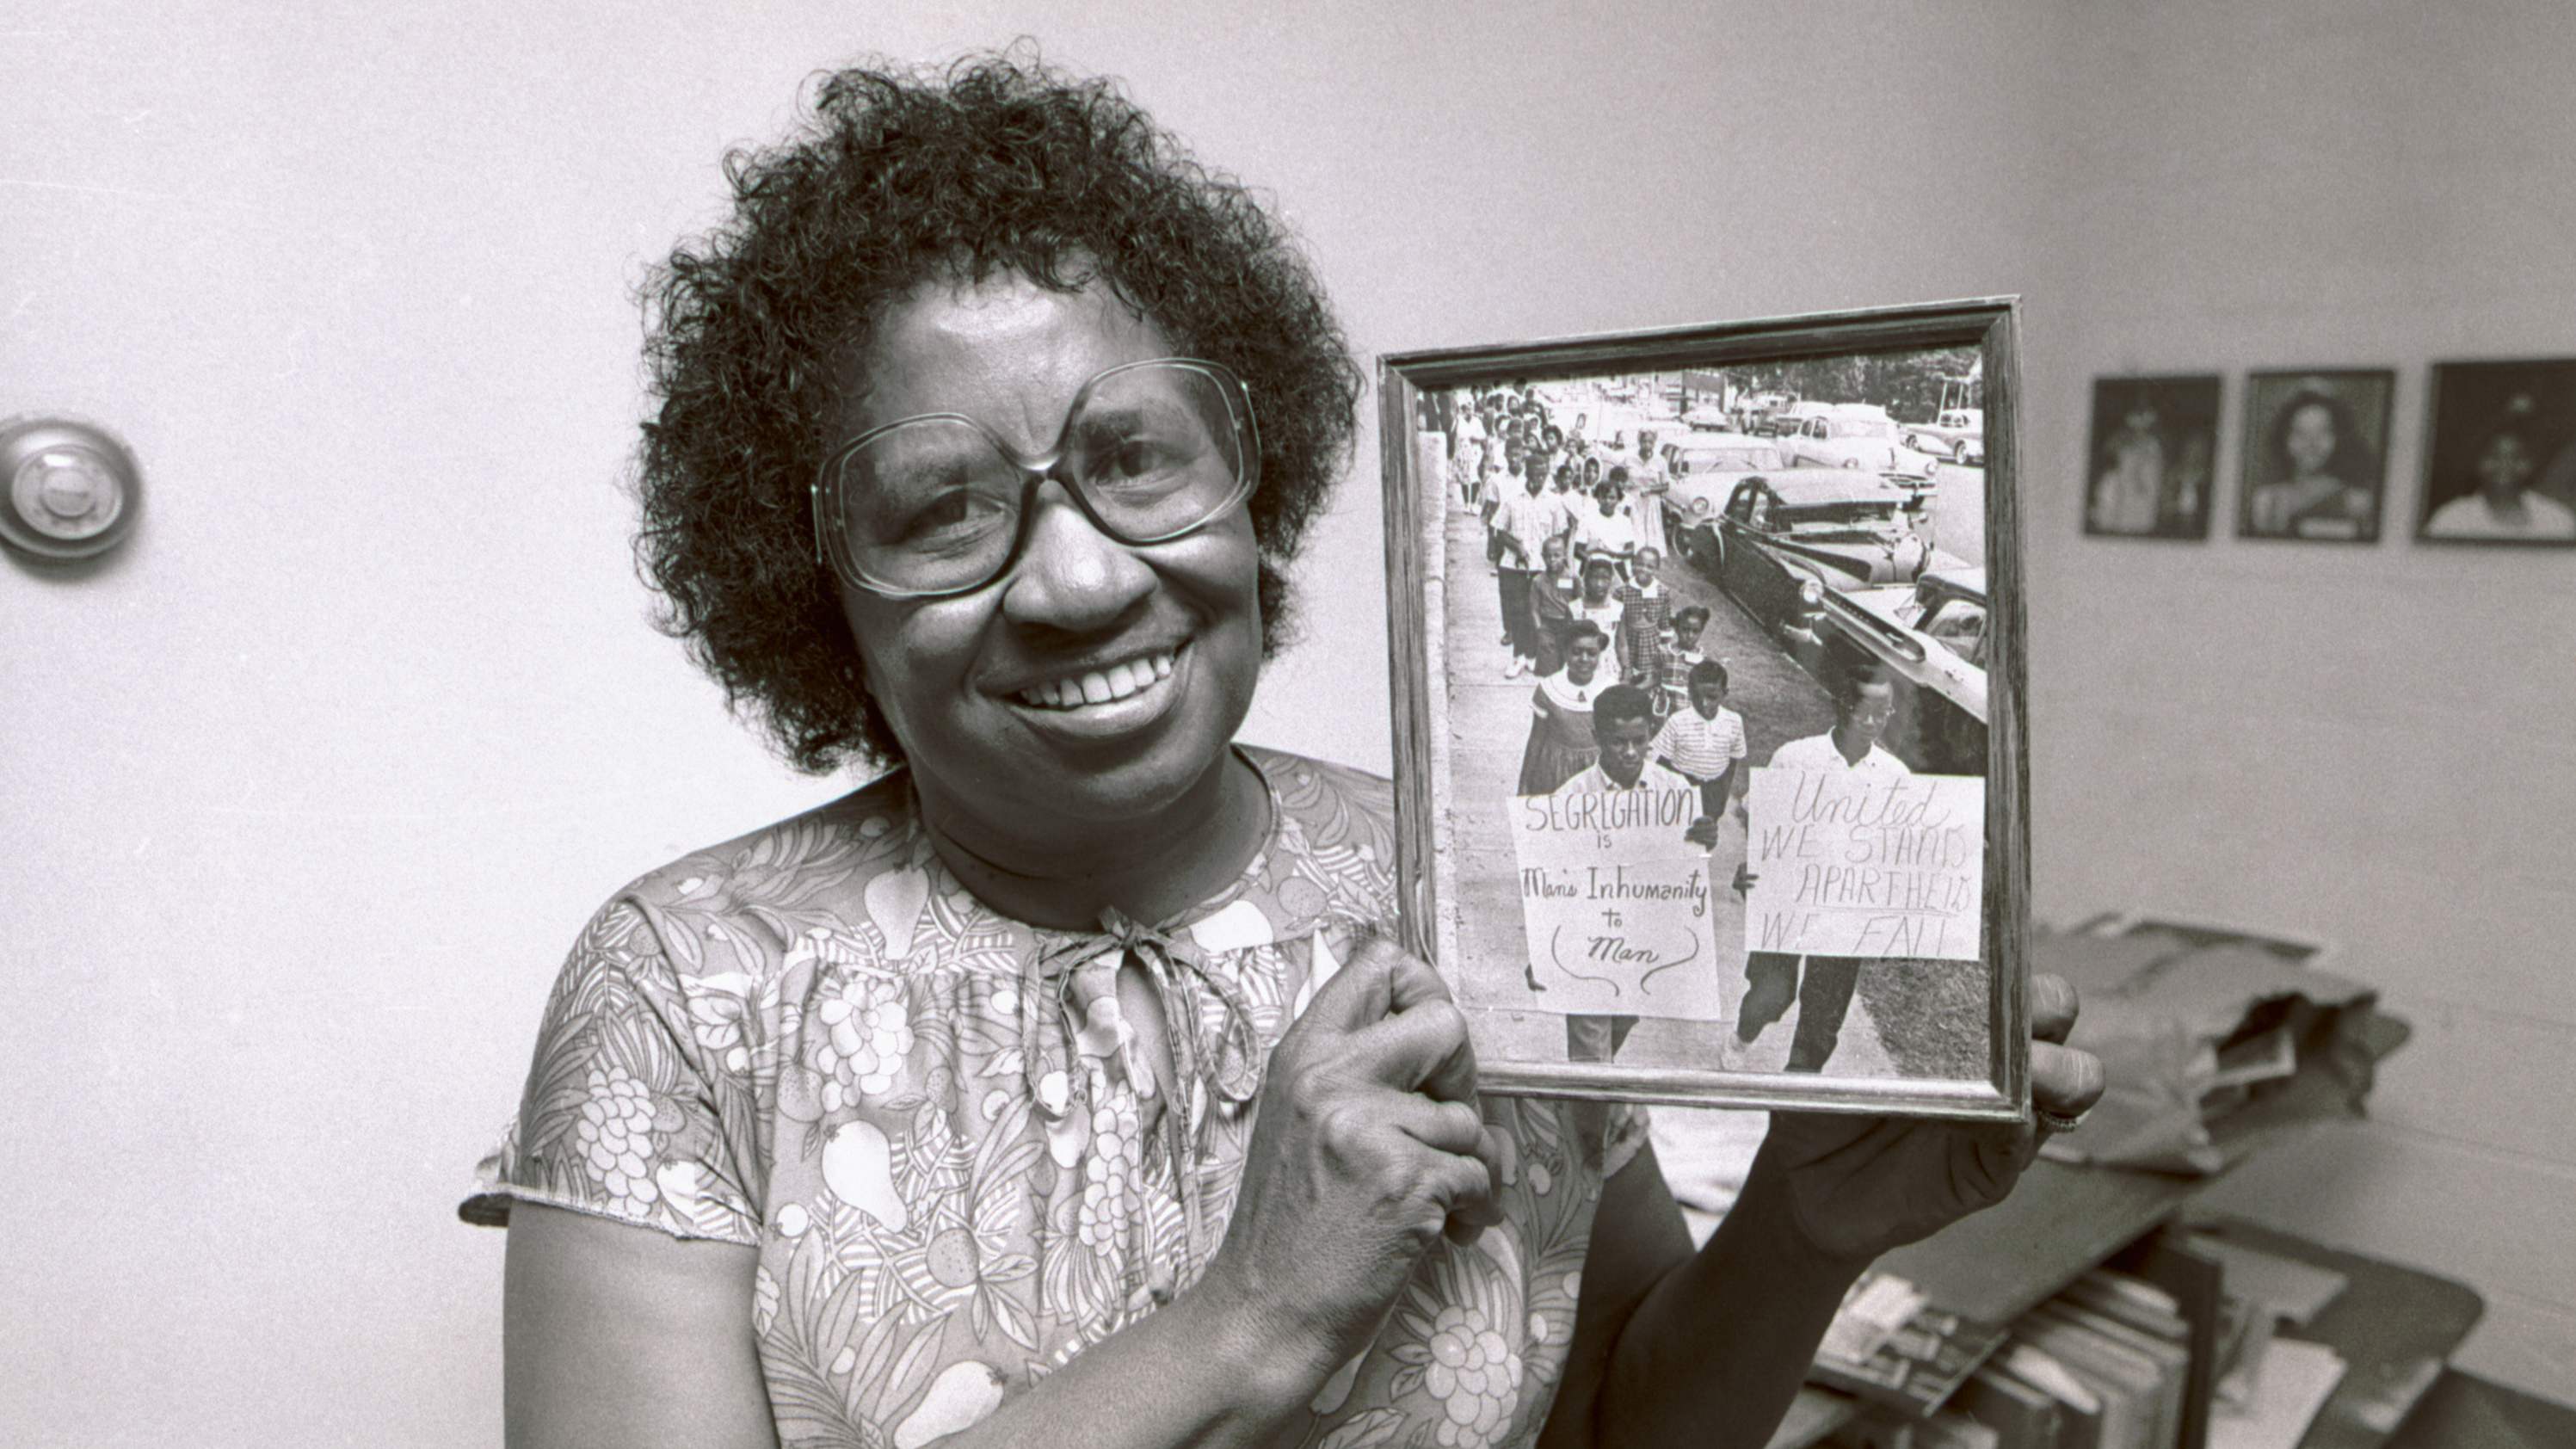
<point x="1743" y="546"/>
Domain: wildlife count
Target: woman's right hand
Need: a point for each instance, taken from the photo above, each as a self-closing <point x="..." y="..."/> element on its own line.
<point x="1367" y="1148"/>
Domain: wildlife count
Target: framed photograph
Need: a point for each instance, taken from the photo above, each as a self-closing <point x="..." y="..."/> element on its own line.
<point x="2315" y="464"/>
<point x="2500" y="463"/>
<point x="1708" y="706"/>
<point x="2153" y="462"/>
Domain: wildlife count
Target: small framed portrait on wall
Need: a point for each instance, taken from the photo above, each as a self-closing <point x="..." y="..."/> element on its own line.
<point x="2153" y="461"/>
<point x="1710" y="781"/>
<point x="2315" y="464"/>
<point x="2500" y="466"/>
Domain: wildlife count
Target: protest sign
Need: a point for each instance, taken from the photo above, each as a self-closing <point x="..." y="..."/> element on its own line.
<point x="1854" y="864"/>
<point x="1618" y="906"/>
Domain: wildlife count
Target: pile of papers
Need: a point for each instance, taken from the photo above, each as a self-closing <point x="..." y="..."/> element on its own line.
<point x="2192" y="1026"/>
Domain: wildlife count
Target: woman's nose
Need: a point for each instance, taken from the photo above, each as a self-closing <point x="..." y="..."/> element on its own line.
<point x="1071" y="575"/>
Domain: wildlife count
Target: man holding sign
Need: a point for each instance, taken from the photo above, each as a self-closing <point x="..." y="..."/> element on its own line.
<point x="1615" y="885"/>
<point x="1849" y="755"/>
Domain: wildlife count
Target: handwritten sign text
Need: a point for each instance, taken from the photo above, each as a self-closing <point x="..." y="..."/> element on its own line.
<point x="1853" y="865"/>
<point x="1617" y="904"/>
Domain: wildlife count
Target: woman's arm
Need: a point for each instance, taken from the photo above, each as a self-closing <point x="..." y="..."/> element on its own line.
<point x="615" y="1334"/>
<point x="1706" y="1349"/>
<point x="624" y="1335"/>
<point x="1692" y="1349"/>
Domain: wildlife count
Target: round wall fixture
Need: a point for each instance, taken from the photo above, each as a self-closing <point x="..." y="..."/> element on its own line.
<point x="72" y="491"/>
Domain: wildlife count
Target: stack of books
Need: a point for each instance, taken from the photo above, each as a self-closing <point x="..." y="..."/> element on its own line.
<point x="2105" y="1364"/>
<point x="1890" y="1346"/>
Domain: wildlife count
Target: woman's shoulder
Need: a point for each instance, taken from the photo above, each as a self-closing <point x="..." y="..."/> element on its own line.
<point x="765" y="891"/>
<point x="1332" y="851"/>
<point x="1320" y="794"/>
<point x="875" y="822"/>
<point x="2465" y="511"/>
<point x="1558" y="692"/>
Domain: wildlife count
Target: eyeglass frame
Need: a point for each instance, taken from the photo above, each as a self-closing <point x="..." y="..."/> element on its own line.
<point x="1038" y="470"/>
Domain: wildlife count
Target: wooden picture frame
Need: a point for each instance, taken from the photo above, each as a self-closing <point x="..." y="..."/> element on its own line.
<point x="1595" y="936"/>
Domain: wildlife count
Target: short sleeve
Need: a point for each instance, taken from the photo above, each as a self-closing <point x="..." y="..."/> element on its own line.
<point x="636" y="1107"/>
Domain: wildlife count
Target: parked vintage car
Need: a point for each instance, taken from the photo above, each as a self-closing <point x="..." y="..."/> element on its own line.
<point x="1958" y="434"/>
<point x="1854" y="435"/>
<point x="1929" y="641"/>
<point x="1705" y="467"/>
<point x="1766" y="414"/>
<point x="1785" y="539"/>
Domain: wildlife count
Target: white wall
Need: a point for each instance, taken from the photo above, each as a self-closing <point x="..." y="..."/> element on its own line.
<point x="306" y="790"/>
<point x="2367" y="744"/>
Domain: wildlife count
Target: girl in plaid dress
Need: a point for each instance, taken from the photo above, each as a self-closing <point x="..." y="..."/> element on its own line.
<point x="1644" y="608"/>
<point x="1679" y="653"/>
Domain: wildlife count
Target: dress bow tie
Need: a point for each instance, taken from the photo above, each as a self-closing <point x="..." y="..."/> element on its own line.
<point x="1083" y="970"/>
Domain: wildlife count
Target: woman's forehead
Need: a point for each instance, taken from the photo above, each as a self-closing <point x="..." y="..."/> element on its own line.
<point x="1002" y="349"/>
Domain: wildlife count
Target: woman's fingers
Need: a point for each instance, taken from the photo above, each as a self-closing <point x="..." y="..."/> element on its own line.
<point x="1418" y="1043"/>
<point x="1410" y="981"/>
<point x="1424" y="1049"/>
<point x="2053" y="1007"/>
<point x="2064" y="1081"/>
<point x="1355" y="1165"/>
<point x="1451" y="1127"/>
<point x="1385" y="1019"/>
<point x="1359" y="993"/>
<point x="1465" y="1176"/>
<point x="1469" y="1217"/>
<point x="1419" y="1050"/>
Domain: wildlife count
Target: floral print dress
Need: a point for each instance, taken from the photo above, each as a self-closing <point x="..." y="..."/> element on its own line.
<point x="926" y="1119"/>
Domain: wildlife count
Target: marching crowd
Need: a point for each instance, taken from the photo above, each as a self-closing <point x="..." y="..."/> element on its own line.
<point x="1574" y="533"/>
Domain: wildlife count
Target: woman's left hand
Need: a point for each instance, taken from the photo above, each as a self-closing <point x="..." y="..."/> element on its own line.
<point x="1862" y="1185"/>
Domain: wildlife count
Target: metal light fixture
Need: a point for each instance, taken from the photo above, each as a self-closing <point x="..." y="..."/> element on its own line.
<point x="72" y="492"/>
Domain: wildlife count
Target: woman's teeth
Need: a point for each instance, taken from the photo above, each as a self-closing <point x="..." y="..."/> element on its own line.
<point x="1100" y="686"/>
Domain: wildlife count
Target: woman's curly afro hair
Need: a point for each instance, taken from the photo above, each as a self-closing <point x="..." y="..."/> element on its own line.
<point x="997" y="166"/>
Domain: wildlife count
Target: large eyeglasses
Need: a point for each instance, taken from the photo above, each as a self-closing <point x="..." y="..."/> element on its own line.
<point x="938" y="504"/>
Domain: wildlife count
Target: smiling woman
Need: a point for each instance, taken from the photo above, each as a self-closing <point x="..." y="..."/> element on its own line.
<point x="1055" y="1086"/>
<point x="1081" y="681"/>
<point x="901" y="187"/>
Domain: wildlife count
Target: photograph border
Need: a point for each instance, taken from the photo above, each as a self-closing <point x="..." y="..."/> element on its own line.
<point x="1416" y="506"/>
<point x="2455" y="370"/>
